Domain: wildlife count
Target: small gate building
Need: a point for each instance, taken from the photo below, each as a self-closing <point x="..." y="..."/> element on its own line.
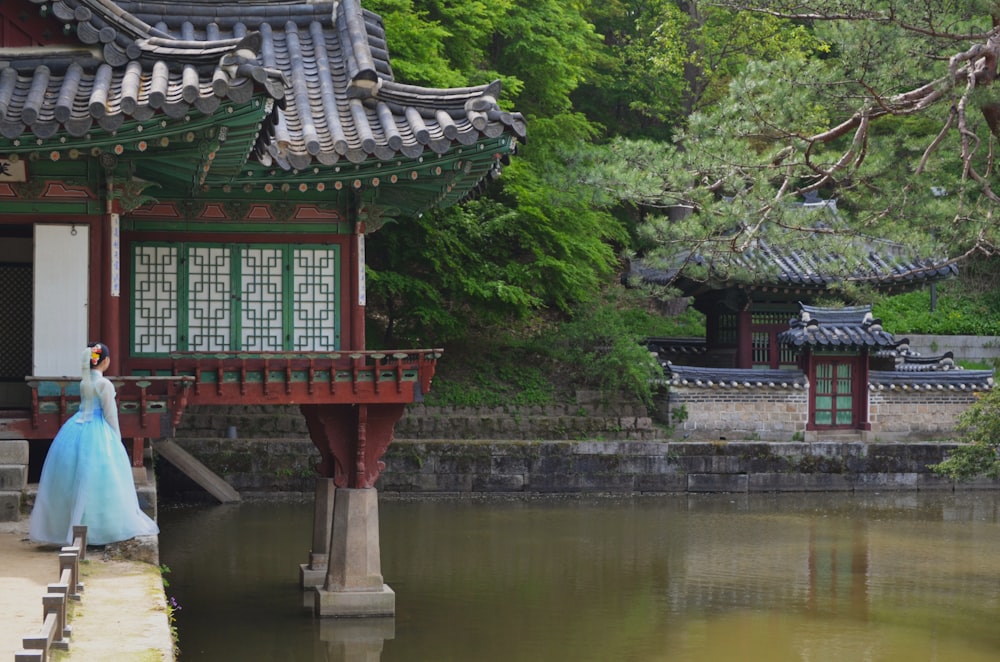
<point x="772" y="366"/>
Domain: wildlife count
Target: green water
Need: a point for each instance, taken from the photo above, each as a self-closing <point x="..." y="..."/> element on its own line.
<point x="707" y="578"/>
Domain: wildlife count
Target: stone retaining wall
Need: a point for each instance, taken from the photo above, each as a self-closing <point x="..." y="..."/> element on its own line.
<point x="981" y="349"/>
<point x="590" y="417"/>
<point x="627" y="467"/>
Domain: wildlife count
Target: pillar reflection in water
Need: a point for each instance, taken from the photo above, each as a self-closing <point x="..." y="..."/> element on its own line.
<point x="356" y="639"/>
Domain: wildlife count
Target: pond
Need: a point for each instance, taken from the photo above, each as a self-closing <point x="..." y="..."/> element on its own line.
<point x="682" y="578"/>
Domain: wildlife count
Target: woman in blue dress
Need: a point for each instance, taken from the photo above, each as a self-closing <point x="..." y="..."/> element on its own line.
<point x="87" y="478"/>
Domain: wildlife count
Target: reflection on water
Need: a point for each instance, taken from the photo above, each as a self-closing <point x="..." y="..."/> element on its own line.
<point x="685" y="578"/>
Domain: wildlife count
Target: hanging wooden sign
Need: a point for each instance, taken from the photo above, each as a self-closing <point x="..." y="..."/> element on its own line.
<point x="13" y="171"/>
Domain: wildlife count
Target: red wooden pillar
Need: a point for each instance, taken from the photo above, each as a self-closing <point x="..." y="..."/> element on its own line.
<point x="744" y="339"/>
<point x="352" y="439"/>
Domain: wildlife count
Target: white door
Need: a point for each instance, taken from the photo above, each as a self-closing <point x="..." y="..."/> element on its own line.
<point x="60" y="299"/>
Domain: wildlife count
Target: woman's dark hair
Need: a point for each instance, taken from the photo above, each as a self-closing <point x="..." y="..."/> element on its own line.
<point x="98" y="352"/>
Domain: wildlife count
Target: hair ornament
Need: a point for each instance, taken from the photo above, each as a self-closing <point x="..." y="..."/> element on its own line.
<point x="98" y="352"/>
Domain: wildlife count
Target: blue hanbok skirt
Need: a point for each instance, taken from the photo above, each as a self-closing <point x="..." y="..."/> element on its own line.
<point x="87" y="479"/>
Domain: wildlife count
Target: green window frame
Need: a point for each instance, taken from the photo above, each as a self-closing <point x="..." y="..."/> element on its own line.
<point x="205" y="297"/>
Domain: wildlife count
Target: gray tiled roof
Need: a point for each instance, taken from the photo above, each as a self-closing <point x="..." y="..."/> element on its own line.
<point x="851" y="326"/>
<point x="934" y="380"/>
<point x="681" y="375"/>
<point x="326" y="65"/>
<point x="722" y="378"/>
<point x="667" y="347"/>
<point x="810" y="266"/>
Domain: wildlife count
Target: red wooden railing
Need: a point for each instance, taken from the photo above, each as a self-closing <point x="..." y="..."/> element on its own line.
<point x="154" y="394"/>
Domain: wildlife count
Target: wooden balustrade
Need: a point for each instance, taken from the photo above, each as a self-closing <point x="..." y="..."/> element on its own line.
<point x="155" y="391"/>
<point x="55" y="629"/>
<point x="390" y="376"/>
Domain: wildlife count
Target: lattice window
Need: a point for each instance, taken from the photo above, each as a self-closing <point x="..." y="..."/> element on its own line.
<point x="314" y="281"/>
<point x="210" y="298"/>
<point x="727" y="329"/>
<point x="205" y="298"/>
<point x="155" y="278"/>
<point x="769" y="317"/>
<point x="262" y="295"/>
<point x="760" y="348"/>
<point x="766" y="352"/>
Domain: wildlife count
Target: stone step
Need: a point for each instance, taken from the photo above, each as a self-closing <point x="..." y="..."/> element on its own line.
<point x="10" y="505"/>
<point x="13" y="451"/>
<point x="13" y="477"/>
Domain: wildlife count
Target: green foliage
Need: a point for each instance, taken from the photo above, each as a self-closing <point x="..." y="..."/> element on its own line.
<point x="662" y="61"/>
<point x="957" y="312"/>
<point x="432" y="277"/>
<point x="503" y="373"/>
<point x="599" y="348"/>
<point x="729" y="113"/>
<point x="538" y="244"/>
<point x="606" y="353"/>
<point x="418" y="44"/>
<point x="550" y="47"/>
<point x="979" y="427"/>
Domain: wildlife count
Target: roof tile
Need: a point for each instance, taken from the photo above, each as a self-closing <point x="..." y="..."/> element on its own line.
<point x="326" y="63"/>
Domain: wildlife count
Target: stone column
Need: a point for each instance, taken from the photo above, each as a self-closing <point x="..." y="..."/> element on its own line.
<point x="354" y="585"/>
<point x="313" y="574"/>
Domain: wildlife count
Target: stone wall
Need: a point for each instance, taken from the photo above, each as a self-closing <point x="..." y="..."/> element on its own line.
<point x="981" y="349"/>
<point x="780" y="414"/>
<point x="626" y="467"/>
<point x="733" y="413"/>
<point x="898" y="415"/>
<point x="590" y="416"/>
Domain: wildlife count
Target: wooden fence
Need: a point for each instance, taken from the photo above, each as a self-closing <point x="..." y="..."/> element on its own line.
<point x="55" y="629"/>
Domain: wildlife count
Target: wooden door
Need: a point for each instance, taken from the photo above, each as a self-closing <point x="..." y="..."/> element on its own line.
<point x="834" y="393"/>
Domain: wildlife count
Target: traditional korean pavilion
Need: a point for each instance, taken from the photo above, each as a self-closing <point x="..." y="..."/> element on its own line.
<point x="192" y="183"/>
<point x="744" y="314"/>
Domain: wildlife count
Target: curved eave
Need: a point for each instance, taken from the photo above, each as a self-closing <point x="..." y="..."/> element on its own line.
<point x="398" y="187"/>
<point x="174" y="152"/>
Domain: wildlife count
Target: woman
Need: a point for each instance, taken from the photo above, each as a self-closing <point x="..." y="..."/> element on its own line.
<point x="86" y="478"/>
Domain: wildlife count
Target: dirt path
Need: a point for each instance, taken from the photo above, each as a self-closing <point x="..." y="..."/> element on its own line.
<point x="122" y="614"/>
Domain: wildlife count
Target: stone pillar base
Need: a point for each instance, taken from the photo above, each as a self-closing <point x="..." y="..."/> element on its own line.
<point x="353" y="604"/>
<point x="311" y="577"/>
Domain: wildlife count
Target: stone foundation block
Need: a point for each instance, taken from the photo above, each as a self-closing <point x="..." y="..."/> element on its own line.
<point x="13" y="451"/>
<point x="717" y="483"/>
<point x="10" y="506"/>
<point x="355" y="604"/>
<point x="13" y="476"/>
